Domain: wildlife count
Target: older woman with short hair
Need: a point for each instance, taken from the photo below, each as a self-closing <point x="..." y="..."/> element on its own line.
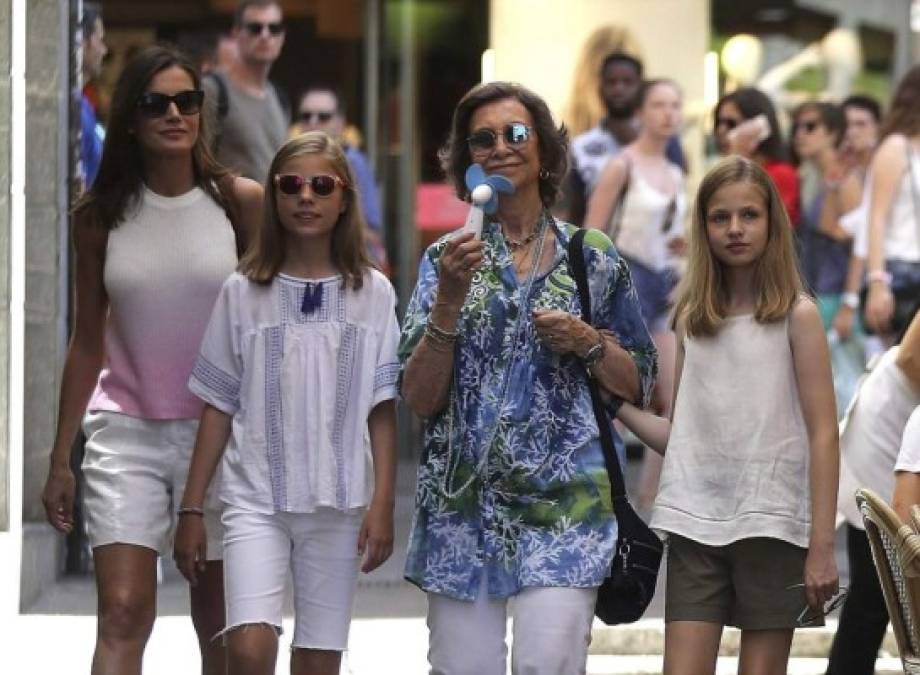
<point x="513" y="498"/>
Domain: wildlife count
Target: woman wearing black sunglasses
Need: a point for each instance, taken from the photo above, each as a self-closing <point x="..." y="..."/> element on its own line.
<point x="745" y="123"/>
<point x="154" y="243"/>
<point x="817" y="133"/>
<point x="513" y="496"/>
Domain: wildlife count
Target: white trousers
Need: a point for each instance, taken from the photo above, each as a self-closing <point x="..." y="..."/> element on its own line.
<point x="551" y="631"/>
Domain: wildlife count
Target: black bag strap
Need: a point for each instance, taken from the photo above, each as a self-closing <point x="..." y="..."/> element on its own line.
<point x="614" y="471"/>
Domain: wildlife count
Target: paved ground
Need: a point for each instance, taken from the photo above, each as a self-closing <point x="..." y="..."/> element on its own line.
<point x="388" y="634"/>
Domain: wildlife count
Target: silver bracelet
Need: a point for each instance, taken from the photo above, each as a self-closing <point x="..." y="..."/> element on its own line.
<point x="594" y="355"/>
<point x="189" y="511"/>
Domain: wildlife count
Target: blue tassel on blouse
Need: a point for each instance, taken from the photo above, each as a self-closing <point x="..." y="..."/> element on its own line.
<point x="312" y="298"/>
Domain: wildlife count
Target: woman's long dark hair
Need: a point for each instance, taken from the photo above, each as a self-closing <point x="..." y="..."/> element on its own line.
<point x="121" y="172"/>
<point x="752" y="102"/>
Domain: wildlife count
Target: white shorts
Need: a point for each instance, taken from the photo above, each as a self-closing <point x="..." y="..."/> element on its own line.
<point x="321" y="551"/>
<point x="135" y="472"/>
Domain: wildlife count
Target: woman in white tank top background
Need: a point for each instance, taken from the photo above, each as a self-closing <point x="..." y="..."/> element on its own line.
<point x="894" y="209"/>
<point x="639" y="203"/>
<point x="153" y="243"/>
<point x="749" y="485"/>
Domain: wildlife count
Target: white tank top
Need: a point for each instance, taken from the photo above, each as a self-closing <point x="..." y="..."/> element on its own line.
<point x="641" y="236"/>
<point x="737" y="461"/>
<point x="902" y="234"/>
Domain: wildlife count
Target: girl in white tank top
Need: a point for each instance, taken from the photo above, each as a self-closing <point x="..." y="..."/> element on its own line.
<point x="752" y="456"/>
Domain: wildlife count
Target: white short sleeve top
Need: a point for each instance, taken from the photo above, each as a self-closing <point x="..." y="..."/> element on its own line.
<point x="870" y="434"/>
<point x="300" y="382"/>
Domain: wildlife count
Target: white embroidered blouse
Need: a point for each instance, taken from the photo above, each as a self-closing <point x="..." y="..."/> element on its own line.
<point x="300" y="382"/>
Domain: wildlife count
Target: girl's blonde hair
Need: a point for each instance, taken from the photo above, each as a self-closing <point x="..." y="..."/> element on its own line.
<point x="703" y="295"/>
<point x="266" y="254"/>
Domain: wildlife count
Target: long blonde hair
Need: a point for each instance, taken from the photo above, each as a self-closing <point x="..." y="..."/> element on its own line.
<point x="703" y="295"/>
<point x="266" y="254"/>
<point x="585" y="108"/>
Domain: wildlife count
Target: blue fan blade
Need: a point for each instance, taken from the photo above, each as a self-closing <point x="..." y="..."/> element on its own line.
<point x="500" y="183"/>
<point x="474" y="176"/>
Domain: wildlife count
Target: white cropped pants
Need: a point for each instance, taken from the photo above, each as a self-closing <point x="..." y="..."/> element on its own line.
<point x="551" y="631"/>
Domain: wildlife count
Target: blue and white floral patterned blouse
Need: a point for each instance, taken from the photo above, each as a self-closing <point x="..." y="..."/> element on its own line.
<point x="517" y="488"/>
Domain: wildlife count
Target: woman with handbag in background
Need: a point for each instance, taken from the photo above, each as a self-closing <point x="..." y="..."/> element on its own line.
<point x="639" y="203"/>
<point x="154" y="241"/>
<point x="893" y="265"/>
<point x="513" y="499"/>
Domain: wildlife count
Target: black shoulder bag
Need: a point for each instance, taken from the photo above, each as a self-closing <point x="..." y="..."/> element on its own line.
<point x="628" y="590"/>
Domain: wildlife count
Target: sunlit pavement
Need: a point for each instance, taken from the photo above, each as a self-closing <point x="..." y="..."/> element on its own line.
<point x="388" y="634"/>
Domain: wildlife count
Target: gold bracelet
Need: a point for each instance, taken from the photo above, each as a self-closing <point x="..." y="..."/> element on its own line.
<point x="435" y="332"/>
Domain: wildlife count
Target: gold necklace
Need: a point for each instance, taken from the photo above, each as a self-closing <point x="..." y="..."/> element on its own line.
<point x="527" y="250"/>
<point x="515" y="244"/>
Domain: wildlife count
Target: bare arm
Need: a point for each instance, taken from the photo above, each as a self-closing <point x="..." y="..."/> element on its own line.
<point x="653" y="430"/>
<point x="887" y="168"/>
<point x="604" y="198"/>
<point x="906" y="493"/>
<point x="427" y="375"/>
<point x="376" y="536"/>
<point x="908" y="359"/>
<point x="846" y="315"/>
<point x="81" y="370"/>
<point x="191" y="543"/>
<point x="844" y="198"/>
<point x="816" y="392"/>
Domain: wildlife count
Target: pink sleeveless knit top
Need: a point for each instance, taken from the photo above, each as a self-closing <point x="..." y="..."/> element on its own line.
<point x="164" y="266"/>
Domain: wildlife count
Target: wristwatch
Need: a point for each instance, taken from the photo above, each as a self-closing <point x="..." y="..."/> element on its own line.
<point x="594" y="354"/>
<point x="850" y="300"/>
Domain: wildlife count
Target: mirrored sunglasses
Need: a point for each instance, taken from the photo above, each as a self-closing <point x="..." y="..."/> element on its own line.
<point x="485" y="140"/>
<point x="321" y="185"/>
<point x="155" y="104"/>
<point x="321" y="116"/>
<point x="256" y="28"/>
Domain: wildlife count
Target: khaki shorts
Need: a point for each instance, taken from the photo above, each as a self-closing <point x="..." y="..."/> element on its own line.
<point x="751" y="584"/>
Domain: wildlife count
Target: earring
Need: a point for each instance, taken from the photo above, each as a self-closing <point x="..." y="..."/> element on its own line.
<point x="544" y="174"/>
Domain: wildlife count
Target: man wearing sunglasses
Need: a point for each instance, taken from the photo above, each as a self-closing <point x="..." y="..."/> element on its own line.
<point x="322" y="108"/>
<point x="249" y="113"/>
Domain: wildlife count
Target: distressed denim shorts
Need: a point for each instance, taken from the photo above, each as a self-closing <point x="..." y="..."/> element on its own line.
<point x="320" y="552"/>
